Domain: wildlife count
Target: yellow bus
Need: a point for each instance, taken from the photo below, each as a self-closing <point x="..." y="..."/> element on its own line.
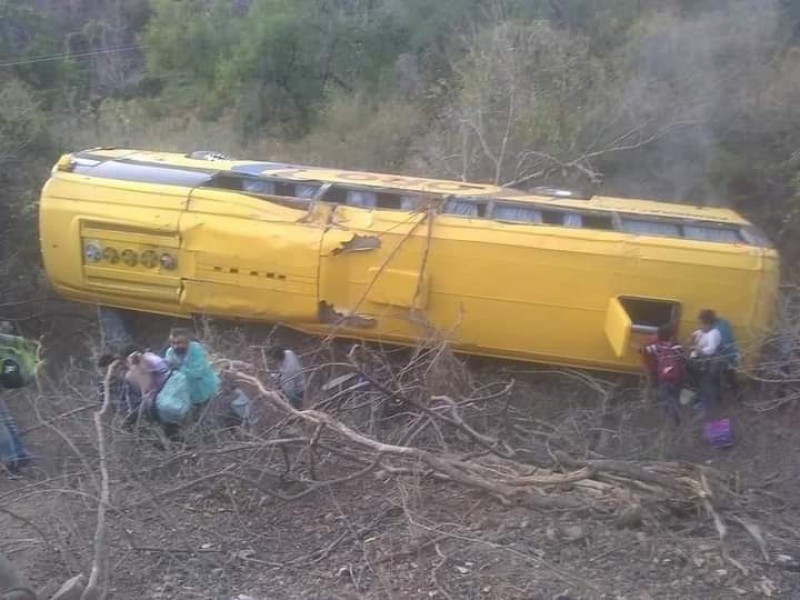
<point x="550" y="276"/>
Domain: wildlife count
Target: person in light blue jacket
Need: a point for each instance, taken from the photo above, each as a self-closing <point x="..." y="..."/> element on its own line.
<point x="188" y="357"/>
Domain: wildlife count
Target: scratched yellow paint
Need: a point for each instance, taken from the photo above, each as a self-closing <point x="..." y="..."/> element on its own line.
<point x="529" y="292"/>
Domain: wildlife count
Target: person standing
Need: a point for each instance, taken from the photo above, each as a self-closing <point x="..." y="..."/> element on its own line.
<point x="707" y="361"/>
<point x="728" y="351"/>
<point x="665" y="358"/>
<point x="13" y="452"/>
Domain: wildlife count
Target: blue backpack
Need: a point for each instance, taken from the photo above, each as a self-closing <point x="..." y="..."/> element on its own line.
<point x="728" y="347"/>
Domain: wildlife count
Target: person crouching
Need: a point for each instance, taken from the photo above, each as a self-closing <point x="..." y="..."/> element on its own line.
<point x="164" y="392"/>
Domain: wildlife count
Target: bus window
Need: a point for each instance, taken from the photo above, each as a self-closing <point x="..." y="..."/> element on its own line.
<point x="284" y="188"/>
<point x="517" y="213"/>
<point x="258" y="186"/>
<point x="752" y="235"/>
<point x="553" y="217"/>
<point x="391" y="201"/>
<point x="711" y="234"/>
<point x="573" y="220"/>
<point x="410" y="202"/>
<point x="145" y="173"/>
<point x="657" y="228"/>
<point x="463" y="208"/>
<point x="336" y="195"/>
<point x="648" y="315"/>
<point x="306" y="190"/>
<point x="362" y="199"/>
<point x="595" y="221"/>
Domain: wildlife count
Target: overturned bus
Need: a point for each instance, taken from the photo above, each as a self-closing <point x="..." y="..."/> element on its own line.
<point x="548" y="277"/>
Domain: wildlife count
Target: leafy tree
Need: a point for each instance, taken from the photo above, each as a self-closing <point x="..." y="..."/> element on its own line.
<point x="33" y="51"/>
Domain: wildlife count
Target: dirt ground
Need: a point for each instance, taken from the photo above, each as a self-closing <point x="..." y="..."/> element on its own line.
<point x="180" y="530"/>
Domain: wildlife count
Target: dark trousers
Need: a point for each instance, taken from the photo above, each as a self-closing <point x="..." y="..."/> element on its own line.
<point x="707" y="375"/>
<point x="13" y="451"/>
<point x="669" y="397"/>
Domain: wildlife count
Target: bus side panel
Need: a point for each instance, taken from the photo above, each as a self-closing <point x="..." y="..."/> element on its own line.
<point x="726" y="279"/>
<point x="518" y="290"/>
<point x="543" y="293"/>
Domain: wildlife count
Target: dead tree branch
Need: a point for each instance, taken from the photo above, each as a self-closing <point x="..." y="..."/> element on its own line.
<point x="95" y="588"/>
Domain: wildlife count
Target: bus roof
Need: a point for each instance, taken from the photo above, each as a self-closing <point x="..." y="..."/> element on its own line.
<point x="281" y="170"/>
<point x="302" y="173"/>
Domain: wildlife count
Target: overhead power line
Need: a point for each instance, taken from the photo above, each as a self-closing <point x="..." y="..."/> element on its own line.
<point x="54" y="57"/>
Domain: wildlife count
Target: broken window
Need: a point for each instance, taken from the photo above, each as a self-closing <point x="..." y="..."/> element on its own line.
<point x="595" y="221"/>
<point x="648" y="315"/>
<point x="396" y="201"/>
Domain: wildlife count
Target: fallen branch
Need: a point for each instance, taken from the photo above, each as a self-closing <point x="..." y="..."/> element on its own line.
<point x="508" y="480"/>
<point x="97" y="577"/>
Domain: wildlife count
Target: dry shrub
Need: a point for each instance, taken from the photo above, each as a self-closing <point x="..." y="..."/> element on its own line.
<point x="356" y="132"/>
<point x="141" y="124"/>
<point x="386" y="432"/>
<point x="778" y="372"/>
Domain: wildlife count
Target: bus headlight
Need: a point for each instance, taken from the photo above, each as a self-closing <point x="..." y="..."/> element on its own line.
<point x="168" y="262"/>
<point x="111" y="255"/>
<point x="130" y="258"/>
<point x="149" y="259"/>
<point x="92" y="253"/>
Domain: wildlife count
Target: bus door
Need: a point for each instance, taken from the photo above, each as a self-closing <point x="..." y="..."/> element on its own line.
<point x="247" y="255"/>
<point x="631" y="321"/>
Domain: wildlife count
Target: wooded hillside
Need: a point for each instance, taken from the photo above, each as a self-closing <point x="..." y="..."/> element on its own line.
<point x="679" y="100"/>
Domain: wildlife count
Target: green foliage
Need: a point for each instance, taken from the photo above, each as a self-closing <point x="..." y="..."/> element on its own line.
<point x="186" y="39"/>
<point x="24" y="156"/>
<point x="34" y="51"/>
<point x="694" y="100"/>
<point x="363" y="134"/>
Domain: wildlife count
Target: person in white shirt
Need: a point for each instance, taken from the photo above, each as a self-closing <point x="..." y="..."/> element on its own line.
<point x="707" y="360"/>
<point x="706" y="342"/>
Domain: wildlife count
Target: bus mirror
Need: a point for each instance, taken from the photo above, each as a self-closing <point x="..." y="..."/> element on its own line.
<point x="618" y="328"/>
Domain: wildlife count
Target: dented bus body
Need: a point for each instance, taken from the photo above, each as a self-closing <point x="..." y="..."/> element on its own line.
<point x="548" y="277"/>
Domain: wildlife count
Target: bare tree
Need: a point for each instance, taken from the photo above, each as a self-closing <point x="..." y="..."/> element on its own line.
<point x="534" y="104"/>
